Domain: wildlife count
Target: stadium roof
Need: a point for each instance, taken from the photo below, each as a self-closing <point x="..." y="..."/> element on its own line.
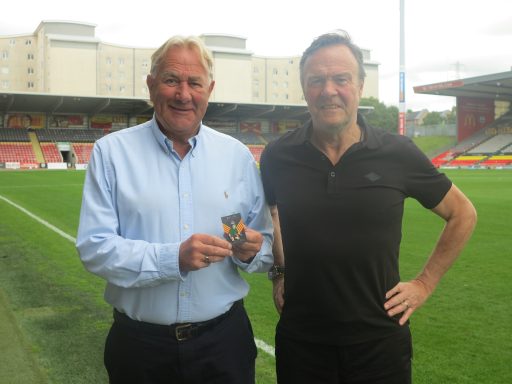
<point x="93" y="105"/>
<point x="497" y="86"/>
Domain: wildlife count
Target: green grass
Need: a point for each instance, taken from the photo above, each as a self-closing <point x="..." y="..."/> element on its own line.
<point x="432" y="144"/>
<point x="461" y="335"/>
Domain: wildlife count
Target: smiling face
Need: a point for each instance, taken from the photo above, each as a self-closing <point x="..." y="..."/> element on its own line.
<point x="179" y="90"/>
<point x="332" y="88"/>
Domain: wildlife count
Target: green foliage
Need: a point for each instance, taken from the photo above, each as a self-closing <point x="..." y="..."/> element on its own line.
<point x="433" y="118"/>
<point x="461" y="335"/>
<point x="382" y="116"/>
<point x="451" y="117"/>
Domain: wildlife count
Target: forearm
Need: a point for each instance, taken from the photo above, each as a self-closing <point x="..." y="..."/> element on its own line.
<point x="129" y="263"/>
<point x="277" y="246"/>
<point x="460" y="223"/>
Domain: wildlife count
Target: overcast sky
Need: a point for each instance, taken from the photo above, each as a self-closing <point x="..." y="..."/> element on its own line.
<point x="444" y="39"/>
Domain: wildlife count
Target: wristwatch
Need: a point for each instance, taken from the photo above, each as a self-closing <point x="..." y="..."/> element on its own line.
<point x="275" y="272"/>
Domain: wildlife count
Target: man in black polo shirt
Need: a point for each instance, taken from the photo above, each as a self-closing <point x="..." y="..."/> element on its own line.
<point x="337" y="188"/>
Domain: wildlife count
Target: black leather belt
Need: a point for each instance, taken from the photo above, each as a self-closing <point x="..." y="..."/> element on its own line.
<point x="180" y="331"/>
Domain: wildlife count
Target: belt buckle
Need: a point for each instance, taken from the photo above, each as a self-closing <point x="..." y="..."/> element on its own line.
<point x="181" y="332"/>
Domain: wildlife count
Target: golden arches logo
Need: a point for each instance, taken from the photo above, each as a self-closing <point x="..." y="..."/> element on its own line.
<point x="470" y="120"/>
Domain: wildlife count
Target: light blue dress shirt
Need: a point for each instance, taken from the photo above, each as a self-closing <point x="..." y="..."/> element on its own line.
<point x="141" y="201"/>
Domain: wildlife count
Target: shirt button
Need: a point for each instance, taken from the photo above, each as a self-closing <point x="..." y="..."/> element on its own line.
<point x="185" y="195"/>
<point x="333" y="174"/>
<point x="185" y="226"/>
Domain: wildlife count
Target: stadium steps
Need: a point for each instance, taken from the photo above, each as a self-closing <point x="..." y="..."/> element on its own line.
<point x="36" y="147"/>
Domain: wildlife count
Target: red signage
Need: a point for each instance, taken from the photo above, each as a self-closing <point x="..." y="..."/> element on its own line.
<point x="472" y="115"/>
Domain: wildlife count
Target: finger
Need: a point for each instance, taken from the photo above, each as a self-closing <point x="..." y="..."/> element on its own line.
<point x="407" y="314"/>
<point x="246" y="247"/>
<point x="395" y="301"/>
<point x="216" y="242"/>
<point x="393" y="291"/>
<point x="253" y="236"/>
<point x="215" y="251"/>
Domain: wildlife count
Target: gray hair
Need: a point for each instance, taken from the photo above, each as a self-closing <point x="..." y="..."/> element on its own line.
<point x="186" y="42"/>
<point x="339" y="37"/>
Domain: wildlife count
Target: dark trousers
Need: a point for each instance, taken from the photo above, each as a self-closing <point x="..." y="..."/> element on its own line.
<point x="224" y="354"/>
<point x="383" y="361"/>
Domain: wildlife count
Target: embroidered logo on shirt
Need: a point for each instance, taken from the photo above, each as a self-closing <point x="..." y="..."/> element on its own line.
<point x="372" y="176"/>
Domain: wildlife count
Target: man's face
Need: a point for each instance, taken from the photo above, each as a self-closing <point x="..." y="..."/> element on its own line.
<point x="180" y="91"/>
<point x="332" y="88"/>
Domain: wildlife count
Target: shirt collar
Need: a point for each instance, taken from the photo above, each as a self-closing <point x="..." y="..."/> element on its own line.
<point x="164" y="141"/>
<point x="303" y="134"/>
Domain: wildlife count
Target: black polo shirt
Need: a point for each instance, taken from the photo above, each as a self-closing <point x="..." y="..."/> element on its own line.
<point x="341" y="227"/>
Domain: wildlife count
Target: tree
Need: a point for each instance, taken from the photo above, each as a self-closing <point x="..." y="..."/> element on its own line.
<point x="381" y="116"/>
<point x="433" y="118"/>
<point x="451" y="117"/>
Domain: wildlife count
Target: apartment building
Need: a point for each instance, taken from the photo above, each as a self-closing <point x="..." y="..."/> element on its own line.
<point x="66" y="58"/>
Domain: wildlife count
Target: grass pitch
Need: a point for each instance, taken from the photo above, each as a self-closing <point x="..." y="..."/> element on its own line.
<point x="54" y="319"/>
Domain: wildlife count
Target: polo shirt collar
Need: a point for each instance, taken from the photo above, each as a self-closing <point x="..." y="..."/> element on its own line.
<point x="370" y="139"/>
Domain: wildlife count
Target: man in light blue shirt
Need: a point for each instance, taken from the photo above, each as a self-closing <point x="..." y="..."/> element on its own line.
<point x="150" y="225"/>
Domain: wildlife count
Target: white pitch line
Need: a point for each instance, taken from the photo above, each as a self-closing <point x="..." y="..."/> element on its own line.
<point x="259" y="343"/>
<point x="37" y="218"/>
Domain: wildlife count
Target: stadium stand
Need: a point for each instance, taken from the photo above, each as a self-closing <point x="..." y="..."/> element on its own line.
<point x="17" y="152"/>
<point x="497" y="161"/>
<point x="443" y="158"/>
<point x="493" y="145"/>
<point x="256" y="151"/>
<point x="69" y="135"/>
<point x="13" y="134"/>
<point x="51" y="153"/>
<point x="249" y="138"/>
<point x="82" y="152"/>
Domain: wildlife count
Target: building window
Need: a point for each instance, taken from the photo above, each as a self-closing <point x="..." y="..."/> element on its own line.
<point x="30" y="71"/>
<point x="255" y="94"/>
<point x="4" y="71"/>
<point x="121" y="61"/>
<point x="122" y="88"/>
<point x="5" y="55"/>
<point x="275" y="84"/>
<point x="12" y="42"/>
<point x="28" y="42"/>
<point x="30" y="56"/>
<point x="109" y="61"/>
<point x="256" y="70"/>
<point x="275" y="96"/>
<point x="5" y="84"/>
<point x="285" y="84"/>
<point x="275" y="71"/>
<point x="30" y="84"/>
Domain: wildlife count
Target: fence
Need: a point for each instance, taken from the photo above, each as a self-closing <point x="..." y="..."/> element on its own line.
<point x="413" y="130"/>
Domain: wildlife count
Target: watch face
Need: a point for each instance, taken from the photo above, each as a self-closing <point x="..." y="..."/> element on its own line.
<point x="275" y="272"/>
